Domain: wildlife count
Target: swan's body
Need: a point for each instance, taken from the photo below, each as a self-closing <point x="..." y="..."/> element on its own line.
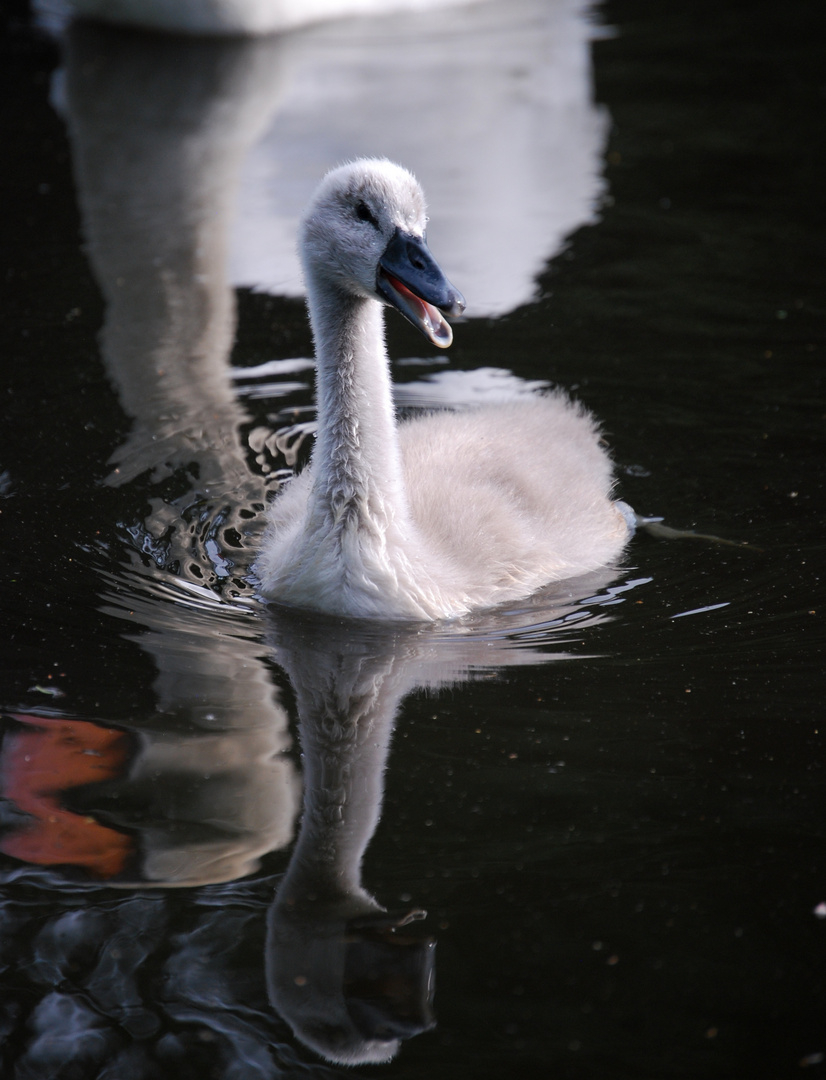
<point x="444" y="513"/>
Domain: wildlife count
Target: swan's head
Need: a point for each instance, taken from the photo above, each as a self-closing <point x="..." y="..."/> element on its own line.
<point x="364" y="235"/>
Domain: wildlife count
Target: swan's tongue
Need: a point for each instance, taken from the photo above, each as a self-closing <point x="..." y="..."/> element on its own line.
<point x="410" y="279"/>
<point x="427" y="317"/>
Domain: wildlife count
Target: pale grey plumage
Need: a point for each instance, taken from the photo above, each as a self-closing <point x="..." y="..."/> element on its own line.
<point x="447" y="512"/>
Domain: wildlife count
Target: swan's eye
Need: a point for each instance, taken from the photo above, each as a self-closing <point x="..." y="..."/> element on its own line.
<point x="364" y="213"/>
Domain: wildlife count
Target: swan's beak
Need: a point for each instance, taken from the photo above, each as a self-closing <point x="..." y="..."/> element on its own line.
<point x="411" y="281"/>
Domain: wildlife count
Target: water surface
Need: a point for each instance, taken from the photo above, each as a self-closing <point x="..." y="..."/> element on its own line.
<point x="609" y="800"/>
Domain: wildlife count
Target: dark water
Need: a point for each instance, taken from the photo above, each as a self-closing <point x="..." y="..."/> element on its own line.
<point x="609" y="800"/>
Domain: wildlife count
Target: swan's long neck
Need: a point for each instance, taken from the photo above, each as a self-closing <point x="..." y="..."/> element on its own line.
<point x="356" y="460"/>
<point x="347" y="712"/>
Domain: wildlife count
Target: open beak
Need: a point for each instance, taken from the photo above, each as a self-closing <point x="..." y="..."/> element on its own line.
<point x="410" y="280"/>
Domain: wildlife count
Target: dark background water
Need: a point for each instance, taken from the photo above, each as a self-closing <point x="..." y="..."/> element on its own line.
<point x="621" y="852"/>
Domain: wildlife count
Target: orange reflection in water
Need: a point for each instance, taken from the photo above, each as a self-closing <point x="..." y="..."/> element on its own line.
<point x="42" y="760"/>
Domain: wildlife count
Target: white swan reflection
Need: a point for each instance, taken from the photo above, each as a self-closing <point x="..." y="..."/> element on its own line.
<point x="220" y="18"/>
<point x="346" y="974"/>
<point x="491" y="104"/>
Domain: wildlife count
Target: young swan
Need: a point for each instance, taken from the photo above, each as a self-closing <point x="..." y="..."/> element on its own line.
<point x="444" y="513"/>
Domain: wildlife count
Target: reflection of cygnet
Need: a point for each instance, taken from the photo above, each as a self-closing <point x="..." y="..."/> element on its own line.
<point x="344" y="973"/>
<point x="446" y="513"/>
<point x="350" y="986"/>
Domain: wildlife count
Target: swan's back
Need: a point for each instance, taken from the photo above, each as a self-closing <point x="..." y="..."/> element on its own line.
<point x="515" y="494"/>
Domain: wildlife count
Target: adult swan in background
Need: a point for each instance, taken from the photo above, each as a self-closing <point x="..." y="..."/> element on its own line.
<point x="444" y="513"/>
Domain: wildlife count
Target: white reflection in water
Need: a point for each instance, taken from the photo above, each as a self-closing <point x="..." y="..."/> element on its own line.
<point x="219" y="17"/>
<point x="157" y="173"/>
<point x="341" y="969"/>
<point x="490" y="106"/>
<point x="459" y="389"/>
